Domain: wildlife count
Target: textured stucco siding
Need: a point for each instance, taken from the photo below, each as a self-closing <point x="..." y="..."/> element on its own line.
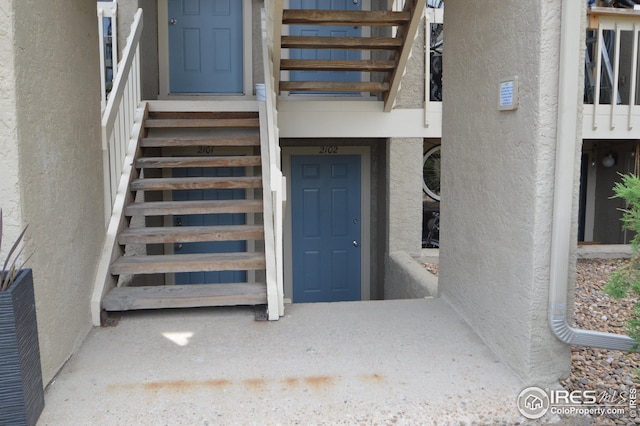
<point x="404" y="194"/>
<point x="498" y="170"/>
<point x="148" y="41"/>
<point x="9" y="165"/>
<point x="411" y="91"/>
<point x="57" y="87"/>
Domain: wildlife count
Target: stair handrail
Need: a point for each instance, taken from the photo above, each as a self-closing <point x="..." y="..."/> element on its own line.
<point x="107" y="10"/>
<point x="273" y="180"/>
<point x="119" y="115"/>
<point x="615" y="21"/>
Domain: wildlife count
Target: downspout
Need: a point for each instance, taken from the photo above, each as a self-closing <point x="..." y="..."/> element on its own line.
<point x="567" y="134"/>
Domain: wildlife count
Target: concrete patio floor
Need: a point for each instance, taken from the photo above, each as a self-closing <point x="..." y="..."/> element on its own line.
<point x="383" y="362"/>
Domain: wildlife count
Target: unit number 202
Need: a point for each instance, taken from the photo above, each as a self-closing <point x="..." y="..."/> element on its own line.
<point x="328" y="149"/>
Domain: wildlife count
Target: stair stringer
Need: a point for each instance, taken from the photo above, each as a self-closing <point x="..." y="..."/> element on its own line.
<point x="416" y="8"/>
<point x="271" y="186"/>
<point x="111" y="250"/>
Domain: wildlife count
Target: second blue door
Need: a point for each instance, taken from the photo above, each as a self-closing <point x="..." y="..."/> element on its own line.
<point x="325" y="206"/>
<point x="205" y="46"/>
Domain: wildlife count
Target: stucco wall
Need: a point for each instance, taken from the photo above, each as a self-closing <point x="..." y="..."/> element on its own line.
<point x="411" y="92"/>
<point x="497" y="173"/>
<point x="148" y="41"/>
<point x="403" y="206"/>
<point x="404" y="194"/>
<point x="9" y="165"/>
<point x="57" y="89"/>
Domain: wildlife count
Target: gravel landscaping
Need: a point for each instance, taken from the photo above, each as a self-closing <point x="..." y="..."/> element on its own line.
<point x="610" y="373"/>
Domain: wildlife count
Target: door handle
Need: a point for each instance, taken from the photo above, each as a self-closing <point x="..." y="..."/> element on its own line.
<point x="355" y="243"/>
<point x="173" y="21"/>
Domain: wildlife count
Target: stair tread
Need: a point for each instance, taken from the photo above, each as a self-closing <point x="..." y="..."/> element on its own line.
<point x="184" y="234"/>
<point x="344" y="17"/>
<point x="158" y="184"/>
<point x="201" y="122"/>
<point x="337" y="65"/>
<point x="359" y="43"/>
<point x="184" y="296"/>
<point x="202" y="141"/>
<point x="194" y="262"/>
<point x="161" y="208"/>
<point x="333" y="86"/>
<point x="202" y="161"/>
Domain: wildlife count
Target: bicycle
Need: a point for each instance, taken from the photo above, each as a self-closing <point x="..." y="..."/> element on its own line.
<point x="433" y="237"/>
<point x="431" y="173"/>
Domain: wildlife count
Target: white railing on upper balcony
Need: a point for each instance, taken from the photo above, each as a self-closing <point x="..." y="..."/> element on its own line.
<point x="273" y="181"/>
<point x="120" y="114"/>
<point x="611" y="98"/>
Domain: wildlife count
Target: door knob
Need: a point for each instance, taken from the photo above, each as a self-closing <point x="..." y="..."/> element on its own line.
<point x="355" y="243"/>
<point x="173" y="21"/>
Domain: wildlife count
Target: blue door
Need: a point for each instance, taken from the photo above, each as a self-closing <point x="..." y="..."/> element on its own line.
<point x="325" y="206"/>
<point x="205" y="46"/>
<point x="325" y="31"/>
<point x="210" y="220"/>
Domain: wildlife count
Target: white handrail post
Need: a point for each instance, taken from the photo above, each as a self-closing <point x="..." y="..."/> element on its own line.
<point x="271" y="173"/>
<point x="119" y="113"/>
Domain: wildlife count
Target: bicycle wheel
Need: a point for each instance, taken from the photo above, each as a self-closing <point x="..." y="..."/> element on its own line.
<point x="431" y="172"/>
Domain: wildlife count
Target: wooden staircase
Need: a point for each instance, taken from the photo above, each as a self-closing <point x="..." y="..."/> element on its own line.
<point x="387" y="48"/>
<point x="192" y="141"/>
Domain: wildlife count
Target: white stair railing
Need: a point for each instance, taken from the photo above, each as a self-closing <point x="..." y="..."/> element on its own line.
<point x="611" y="107"/>
<point x="121" y="128"/>
<point x="108" y="37"/>
<point x="273" y="181"/>
<point x="119" y="115"/>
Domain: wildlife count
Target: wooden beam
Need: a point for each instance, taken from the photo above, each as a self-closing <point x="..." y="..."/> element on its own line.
<point x="333" y="86"/>
<point x="184" y="162"/>
<point x="184" y="296"/>
<point x="170" y="184"/>
<point x="190" y="234"/>
<point x="408" y="33"/>
<point x="276" y="53"/>
<point x="356" y="43"/>
<point x="163" y="208"/>
<point x="200" y="115"/>
<point x="344" y="17"/>
<point x="158" y="142"/>
<point x="195" y="262"/>
<point x="621" y="14"/>
<point x="204" y="122"/>
<point x="335" y="65"/>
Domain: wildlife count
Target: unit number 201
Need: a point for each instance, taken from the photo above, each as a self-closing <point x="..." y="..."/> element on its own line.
<point x="328" y="149"/>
